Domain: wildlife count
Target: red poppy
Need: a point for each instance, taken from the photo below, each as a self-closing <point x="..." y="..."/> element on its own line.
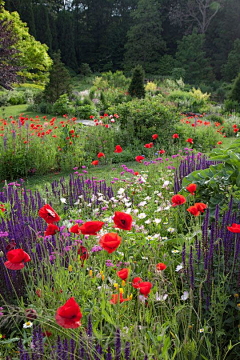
<point x="91" y="227"/>
<point x="51" y="230"/>
<point x="190" y="141"/>
<point x="48" y="214"/>
<point x="136" y="282"/>
<point x="154" y="136"/>
<point x="178" y="200"/>
<point x="16" y="259"/>
<point x="139" y="158"/>
<point x="193" y="210"/>
<point x="191" y="188"/>
<point x="118" y="149"/>
<point x="201" y="206"/>
<point x="123" y="274"/>
<point x="175" y="136"/>
<point x="161" y="266"/>
<point x="235" y="130"/>
<point x="82" y="251"/>
<point x="123" y="221"/>
<point x="235" y="228"/>
<point x="101" y="154"/>
<point x="161" y="152"/>
<point x="147" y="146"/>
<point x="136" y="173"/>
<point x="219" y="142"/>
<point x="114" y="299"/>
<point x="110" y="242"/>
<point x="95" y="162"/>
<point x="145" y="288"/>
<point x="75" y="229"/>
<point x="69" y="315"/>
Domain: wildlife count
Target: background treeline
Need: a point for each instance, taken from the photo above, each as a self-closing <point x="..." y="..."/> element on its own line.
<point x="196" y="39"/>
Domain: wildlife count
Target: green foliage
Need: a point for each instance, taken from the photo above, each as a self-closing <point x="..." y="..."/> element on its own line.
<point x="193" y="100"/>
<point x="192" y="58"/>
<point x="216" y="183"/>
<point x="85" y="69"/>
<point x="62" y="106"/>
<point x="136" y="88"/>
<point x="33" y="56"/>
<point x="235" y="93"/>
<point x="59" y="80"/>
<point x="85" y="111"/>
<point x="117" y="79"/>
<point x="151" y="87"/>
<point x="230" y="106"/>
<point x="140" y="119"/>
<point x="166" y="65"/>
<point x="232" y="68"/>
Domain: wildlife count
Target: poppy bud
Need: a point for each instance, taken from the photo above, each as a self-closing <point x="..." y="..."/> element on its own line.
<point x="31" y="314"/>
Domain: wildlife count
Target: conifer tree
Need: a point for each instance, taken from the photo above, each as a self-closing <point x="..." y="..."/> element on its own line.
<point x="59" y="80"/>
<point x="145" y="44"/>
<point x="27" y="15"/>
<point x="136" y="87"/>
<point x="235" y="93"/>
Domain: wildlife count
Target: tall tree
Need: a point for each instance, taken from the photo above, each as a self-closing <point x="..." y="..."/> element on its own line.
<point x="43" y="31"/>
<point x="27" y="15"/>
<point x="145" y="43"/>
<point x="66" y="39"/>
<point x="192" y="58"/>
<point x="232" y="68"/>
<point x="8" y="55"/>
<point x="198" y="13"/>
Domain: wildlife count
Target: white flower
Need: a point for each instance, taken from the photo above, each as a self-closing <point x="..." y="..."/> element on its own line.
<point x="28" y="324"/>
<point x="148" y="221"/>
<point x="175" y="251"/>
<point x="165" y="238"/>
<point x="63" y="200"/>
<point x="77" y="202"/>
<point x="142" y="216"/>
<point x="121" y="191"/>
<point x="167" y="208"/>
<point x="161" y="297"/>
<point x="149" y="237"/>
<point x="179" y="267"/>
<point x="201" y="330"/>
<point x="142" y="203"/>
<point x="157" y="221"/>
<point x="126" y="329"/>
<point x="128" y="211"/>
<point x="171" y="230"/>
<point x="185" y="296"/>
<point x="165" y="184"/>
<point x="135" y="211"/>
<point x="147" y="198"/>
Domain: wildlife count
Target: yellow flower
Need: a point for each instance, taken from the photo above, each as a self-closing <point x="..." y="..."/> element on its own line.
<point x="90" y="272"/>
<point x="70" y="268"/>
<point x="130" y="297"/>
<point x="123" y="283"/>
<point x="236" y="295"/>
<point x="103" y="277"/>
<point x="238" y="305"/>
<point x="116" y="286"/>
<point x="120" y="290"/>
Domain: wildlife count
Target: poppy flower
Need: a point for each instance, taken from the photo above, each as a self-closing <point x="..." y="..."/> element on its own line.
<point x="191" y="188"/>
<point x="161" y="266"/>
<point x="190" y="141"/>
<point x="110" y="242"/>
<point x="82" y="251"/>
<point x="69" y="315"/>
<point x="175" y="136"/>
<point x="219" y="142"/>
<point x="16" y="259"/>
<point x="118" y="149"/>
<point x="114" y="299"/>
<point x="95" y="162"/>
<point x="75" y="229"/>
<point x="161" y="152"/>
<point x="48" y="214"/>
<point x="178" y="200"/>
<point x="147" y="146"/>
<point x="123" y="274"/>
<point x="51" y="230"/>
<point x="154" y="136"/>
<point x="123" y="221"/>
<point x="136" y="282"/>
<point x="101" y="154"/>
<point x="136" y="173"/>
<point x="145" y="288"/>
<point x="235" y="228"/>
<point x="201" y="206"/>
<point x="193" y="210"/>
<point x="91" y="227"/>
<point x="139" y="158"/>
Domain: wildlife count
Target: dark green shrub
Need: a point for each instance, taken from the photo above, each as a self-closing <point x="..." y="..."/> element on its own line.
<point x="63" y="106"/>
<point x="235" y="92"/>
<point x="85" y="69"/>
<point x="136" y="88"/>
<point x="216" y="118"/>
<point x="230" y="105"/>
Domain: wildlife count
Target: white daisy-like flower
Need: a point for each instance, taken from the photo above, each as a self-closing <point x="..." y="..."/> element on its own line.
<point x="175" y="251"/>
<point x="179" y="267"/>
<point x="185" y="296"/>
<point x="201" y="330"/>
<point x="157" y="221"/>
<point x="142" y="203"/>
<point x="135" y="211"/>
<point x="165" y="184"/>
<point x="63" y="200"/>
<point x="142" y="216"/>
<point x="148" y="221"/>
<point x="128" y="211"/>
<point x="161" y="297"/>
<point x="171" y="230"/>
<point x="121" y="191"/>
<point x="149" y="237"/>
<point x="27" y="324"/>
<point x="147" y="198"/>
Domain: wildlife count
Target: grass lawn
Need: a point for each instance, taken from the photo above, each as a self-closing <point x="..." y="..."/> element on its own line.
<point x="16" y="110"/>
